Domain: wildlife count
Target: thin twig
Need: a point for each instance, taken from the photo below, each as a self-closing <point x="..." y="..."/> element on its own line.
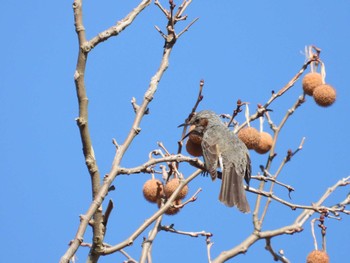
<point x="290" y="111"/>
<point x="313" y="232"/>
<point x="154" y="217"/>
<point x="236" y="111"/>
<point x="186" y="28"/>
<point x="209" y="245"/>
<point x="276" y="256"/>
<point x="314" y="208"/>
<point x="100" y="191"/>
<point x="272" y="179"/>
<point x="145" y="167"/>
<point x="182" y="8"/>
<point x="308" y="213"/>
<point x="116" y="29"/>
<point x="295" y="227"/>
<point x="263" y="110"/>
<point x="185" y="233"/>
<point x="161" y="32"/>
<point x="193" y="111"/>
<point x="109" y="209"/>
<point x="147" y="243"/>
<point x="165" y="12"/>
<point x="129" y="258"/>
<point x="189" y="200"/>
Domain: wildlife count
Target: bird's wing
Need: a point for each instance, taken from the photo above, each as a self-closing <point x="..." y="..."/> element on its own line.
<point x="236" y="164"/>
<point x="243" y="160"/>
<point x="211" y="156"/>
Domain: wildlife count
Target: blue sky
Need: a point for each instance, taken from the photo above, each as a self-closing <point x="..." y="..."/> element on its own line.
<point x="242" y="50"/>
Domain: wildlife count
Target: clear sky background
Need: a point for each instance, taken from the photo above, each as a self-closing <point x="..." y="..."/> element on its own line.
<point x="242" y="49"/>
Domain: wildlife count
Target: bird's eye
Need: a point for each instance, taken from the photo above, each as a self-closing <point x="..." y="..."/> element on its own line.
<point x="196" y="121"/>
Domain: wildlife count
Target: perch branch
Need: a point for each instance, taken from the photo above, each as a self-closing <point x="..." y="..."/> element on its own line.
<point x="144" y="168"/>
<point x="318" y="209"/>
<point x="272" y="179"/>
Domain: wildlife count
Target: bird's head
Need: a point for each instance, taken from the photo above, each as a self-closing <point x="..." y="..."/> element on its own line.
<point x="204" y="118"/>
<point x="201" y="121"/>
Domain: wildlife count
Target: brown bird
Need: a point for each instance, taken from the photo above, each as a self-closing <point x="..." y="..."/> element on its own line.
<point x="222" y="149"/>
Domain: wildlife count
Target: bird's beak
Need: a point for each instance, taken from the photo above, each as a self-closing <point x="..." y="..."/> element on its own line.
<point x="183" y="138"/>
<point x="183" y="125"/>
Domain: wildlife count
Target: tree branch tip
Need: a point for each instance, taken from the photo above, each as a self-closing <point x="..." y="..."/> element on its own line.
<point x="302" y="143"/>
<point x="111" y="188"/>
<point x="346" y="179"/>
<point x="115" y="143"/>
<point x="135" y="106"/>
<point x="187" y="28"/>
<point x="155" y="153"/>
<point x="161" y="33"/>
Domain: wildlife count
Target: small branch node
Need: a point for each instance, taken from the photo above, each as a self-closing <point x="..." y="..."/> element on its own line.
<point x="114" y="141"/>
<point x="134" y="104"/>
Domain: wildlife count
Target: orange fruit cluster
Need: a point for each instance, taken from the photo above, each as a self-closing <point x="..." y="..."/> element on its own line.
<point x="154" y="190"/>
<point x="323" y="94"/>
<point x="261" y="142"/>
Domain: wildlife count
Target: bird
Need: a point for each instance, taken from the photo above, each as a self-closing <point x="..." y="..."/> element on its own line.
<point x="223" y="149"/>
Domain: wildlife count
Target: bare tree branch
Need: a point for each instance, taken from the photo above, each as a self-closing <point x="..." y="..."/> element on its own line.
<point x="191" y="234"/>
<point x="295" y="227"/>
<point x="154" y="217"/>
<point x="129" y="258"/>
<point x="118" y="28"/>
<point x="276" y="256"/>
<point x="261" y="110"/>
<point x="94" y="215"/>
<point x="186" y="28"/>
<point x="101" y="191"/>
<point x="144" y="168"/>
<point x="147" y="243"/>
<point x="272" y="179"/>
<point x="209" y="245"/>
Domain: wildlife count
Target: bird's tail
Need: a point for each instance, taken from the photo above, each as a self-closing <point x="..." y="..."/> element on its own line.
<point x="232" y="191"/>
